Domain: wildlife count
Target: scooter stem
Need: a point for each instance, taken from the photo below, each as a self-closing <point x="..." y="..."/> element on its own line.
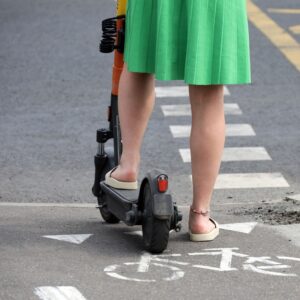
<point x="118" y="56"/>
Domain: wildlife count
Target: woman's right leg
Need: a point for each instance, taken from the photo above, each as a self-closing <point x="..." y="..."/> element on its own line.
<point x="135" y="104"/>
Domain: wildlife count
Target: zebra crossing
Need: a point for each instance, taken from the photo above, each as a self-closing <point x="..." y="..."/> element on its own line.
<point x="185" y="109"/>
<point x="183" y="131"/>
<point x="230" y="154"/>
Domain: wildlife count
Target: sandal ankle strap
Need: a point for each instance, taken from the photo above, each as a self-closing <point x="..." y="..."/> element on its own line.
<point x="200" y="212"/>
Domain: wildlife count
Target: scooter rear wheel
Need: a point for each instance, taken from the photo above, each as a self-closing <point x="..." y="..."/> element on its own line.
<point x="155" y="231"/>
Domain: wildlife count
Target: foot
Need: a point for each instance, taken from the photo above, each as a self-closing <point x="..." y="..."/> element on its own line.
<point x="122" y="173"/>
<point x="200" y="224"/>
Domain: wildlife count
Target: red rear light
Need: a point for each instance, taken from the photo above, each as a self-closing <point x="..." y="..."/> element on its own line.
<point x="162" y="183"/>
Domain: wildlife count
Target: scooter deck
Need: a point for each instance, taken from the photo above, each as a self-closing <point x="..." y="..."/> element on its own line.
<point x="130" y="196"/>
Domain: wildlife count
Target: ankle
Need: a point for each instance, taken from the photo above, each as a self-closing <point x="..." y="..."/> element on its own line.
<point x="130" y="161"/>
<point x="200" y="211"/>
<point x="199" y="217"/>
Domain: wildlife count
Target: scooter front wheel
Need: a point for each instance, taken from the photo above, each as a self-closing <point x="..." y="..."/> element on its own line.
<point x="107" y="216"/>
<point x="155" y="231"/>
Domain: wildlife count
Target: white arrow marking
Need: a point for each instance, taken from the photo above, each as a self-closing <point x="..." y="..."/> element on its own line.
<point x="239" y="227"/>
<point x="245" y="227"/>
<point x="58" y="293"/>
<point x="138" y="232"/>
<point x="71" y="238"/>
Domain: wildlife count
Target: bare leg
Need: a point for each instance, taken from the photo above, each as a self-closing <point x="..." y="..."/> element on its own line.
<point x="207" y="143"/>
<point x="136" y="101"/>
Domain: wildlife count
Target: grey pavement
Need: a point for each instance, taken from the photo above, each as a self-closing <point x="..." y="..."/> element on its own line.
<point x="30" y="261"/>
<point x="55" y="87"/>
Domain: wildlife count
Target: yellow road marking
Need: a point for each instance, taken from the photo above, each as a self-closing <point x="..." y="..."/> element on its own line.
<point x="295" y="29"/>
<point x="284" y="10"/>
<point x="288" y="46"/>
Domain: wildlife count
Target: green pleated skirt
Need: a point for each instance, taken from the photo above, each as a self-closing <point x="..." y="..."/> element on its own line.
<point x="202" y="42"/>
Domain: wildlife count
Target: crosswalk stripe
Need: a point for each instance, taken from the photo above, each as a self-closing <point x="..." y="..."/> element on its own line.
<point x="250" y="180"/>
<point x="58" y="293"/>
<point x="182" y="131"/>
<point x="177" y="91"/>
<point x="234" y="154"/>
<point x="185" y="109"/>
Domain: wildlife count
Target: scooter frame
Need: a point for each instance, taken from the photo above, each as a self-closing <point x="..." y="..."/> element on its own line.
<point x="152" y="207"/>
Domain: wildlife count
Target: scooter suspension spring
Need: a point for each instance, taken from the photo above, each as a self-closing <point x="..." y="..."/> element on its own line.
<point x="109" y="29"/>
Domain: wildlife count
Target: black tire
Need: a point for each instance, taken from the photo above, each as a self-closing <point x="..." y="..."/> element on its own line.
<point x="155" y="231"/>
<point x="106" y="215"/>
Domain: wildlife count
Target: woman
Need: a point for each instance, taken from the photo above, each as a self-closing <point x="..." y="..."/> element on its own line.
<point x="206" y="44"/>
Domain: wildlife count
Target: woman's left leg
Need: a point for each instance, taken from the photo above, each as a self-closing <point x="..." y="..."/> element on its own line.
<point x="206" y="143"/>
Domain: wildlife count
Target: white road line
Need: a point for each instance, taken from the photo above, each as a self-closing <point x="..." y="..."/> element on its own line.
<point x="185" y="109"/>
<point x="234" y="154"/>
<point x="139" y="232"/>
<point x="70" y="238"/>
<point x="250" y="180"/>
<point x="34" y="204"/>
<point x="289" y="258"/>
<point x="177" y="91"/>
<point x="294" y="197"/>
<point x="48" y="204"/>
<point x="245" y="227"/>
<point x="182" y="131"/>
<point x="136" y="232"/>
<point x="58" y="293"/>
<point x="260" y="269"/>
<point x="144" y="263"/>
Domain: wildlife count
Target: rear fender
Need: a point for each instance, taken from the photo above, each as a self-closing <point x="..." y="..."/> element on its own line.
<point x="162" y="204"/>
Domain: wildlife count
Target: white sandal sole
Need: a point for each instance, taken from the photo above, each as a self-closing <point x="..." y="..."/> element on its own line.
<point x="119" y="184"/>
<point x="205" y="237"/>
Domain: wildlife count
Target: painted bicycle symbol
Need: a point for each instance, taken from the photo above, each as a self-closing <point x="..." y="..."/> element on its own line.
<point x="146" y="269"/>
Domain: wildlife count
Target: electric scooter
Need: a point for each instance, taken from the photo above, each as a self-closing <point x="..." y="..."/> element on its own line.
<point x="151" y="206"/>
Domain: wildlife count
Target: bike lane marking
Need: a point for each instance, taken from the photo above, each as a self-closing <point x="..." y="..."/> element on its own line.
<point x="280" y="38"/>
<point x="58" y="293"/>
<point x="257" y="264"/>
<point x="289" y="258"/>
<point x="144" y="262"/>
<point x="226" y="258"/>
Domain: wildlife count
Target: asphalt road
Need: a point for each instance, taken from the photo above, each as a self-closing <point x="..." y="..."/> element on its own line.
<point x="55" y="87"/>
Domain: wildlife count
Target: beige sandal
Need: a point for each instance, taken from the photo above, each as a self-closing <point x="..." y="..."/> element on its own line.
<point x="204" y="237"/>
<point x="119" y="184"/>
